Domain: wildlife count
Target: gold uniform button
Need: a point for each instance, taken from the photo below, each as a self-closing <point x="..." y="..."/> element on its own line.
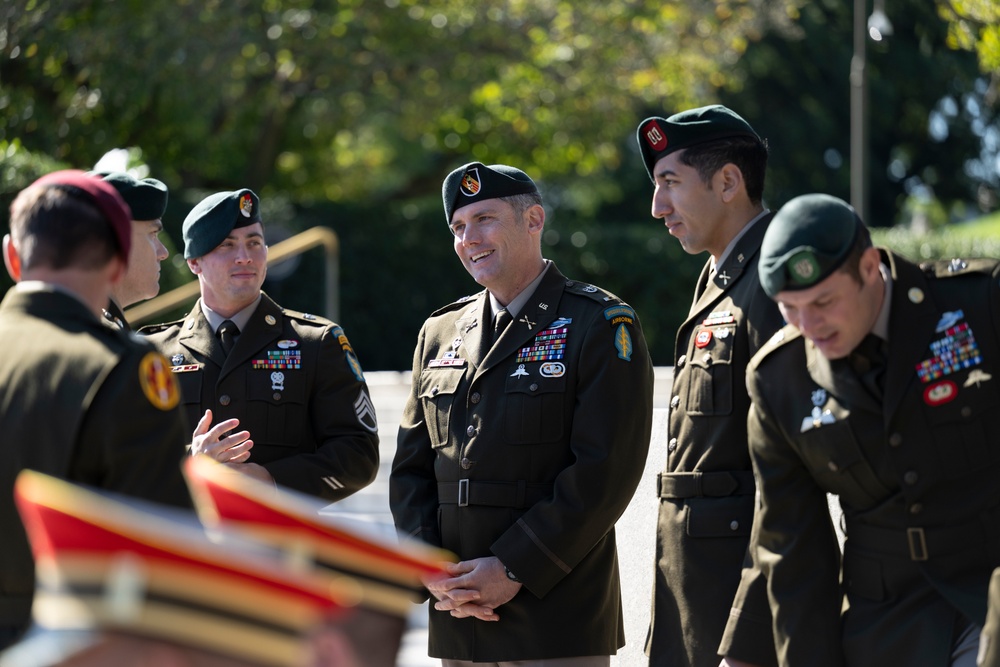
<point x="832" y="466"/>
<point x="681" y="360"/>
<point x="471" y="431"/>
<point x="734" y="525"/>
<point x="476" y="397"/>
<point x="466" y="463"/>
<point x="277" y="396"/>
<point x="911" y="477"/>
<point x="225" y="400"/>
<point x="895" y="440"/>
<point x="672" y="445"/>
<point x="675" y="401"/>
<point x="916" y="508"/>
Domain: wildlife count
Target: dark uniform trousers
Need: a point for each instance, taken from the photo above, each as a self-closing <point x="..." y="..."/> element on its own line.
<point x="706" y="489"/>
<point x="529" y="451"/>
<point x="75" y="406"/>
<point x="294" y="383"/>
<point x="916" y="476"/>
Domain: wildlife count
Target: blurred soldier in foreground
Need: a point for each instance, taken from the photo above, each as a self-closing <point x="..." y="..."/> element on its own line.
<point x="522" y="442"/>
<point x="989" y="640"/>
<point x="147" y="200"/>
<point x="80" y="400"/>
<point x="882" y="389"/>
<point x="131" y="585"/>
<point x="290" y="381"/>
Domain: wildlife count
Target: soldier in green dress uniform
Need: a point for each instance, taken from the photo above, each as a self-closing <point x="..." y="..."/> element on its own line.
<point x="882" y="389"/>
<point x="522" y="441"/>
<point x="290" y="381"/>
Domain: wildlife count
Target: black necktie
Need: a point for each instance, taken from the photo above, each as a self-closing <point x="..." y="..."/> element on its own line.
<point x="500" y="322"/>
<point x="228" y="331"/>
<point x="868" y="361"/>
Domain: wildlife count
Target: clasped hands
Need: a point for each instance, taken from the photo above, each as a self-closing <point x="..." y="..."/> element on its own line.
<point x="222" y="443"/>
<point x="473" y="588"/>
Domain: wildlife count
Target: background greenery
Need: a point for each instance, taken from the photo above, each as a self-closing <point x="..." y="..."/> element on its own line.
<point x="349" y="113"/>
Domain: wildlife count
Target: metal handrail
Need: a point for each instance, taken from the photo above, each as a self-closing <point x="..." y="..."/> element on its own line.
<point x="296" y="245"/>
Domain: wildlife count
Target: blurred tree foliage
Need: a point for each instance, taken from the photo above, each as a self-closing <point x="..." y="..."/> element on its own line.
<point x="348" y="114"/>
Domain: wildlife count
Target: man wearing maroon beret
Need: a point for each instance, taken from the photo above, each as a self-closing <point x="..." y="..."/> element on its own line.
<point x="79" y="400"/>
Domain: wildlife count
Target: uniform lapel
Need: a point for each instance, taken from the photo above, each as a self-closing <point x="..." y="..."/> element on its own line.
<point x="838" y="379"/>
<point x="471" y="328"/>
<point x="197" y="336"/>
<point x="264" y="326"/>
<point x="914" y="316"/>
<point x="540" y="310"/>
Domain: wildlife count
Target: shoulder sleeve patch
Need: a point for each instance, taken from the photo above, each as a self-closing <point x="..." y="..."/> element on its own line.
<point x="157" y="381"/>
<point x="352" y="359"/>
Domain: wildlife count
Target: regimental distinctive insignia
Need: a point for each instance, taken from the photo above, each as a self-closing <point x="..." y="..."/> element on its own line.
<point x="623" y="343"/>
<point x="940" y="393"/>
<point x="552" y="369"/>
<point x="589" y="288"/>
<point x="157" y="381"/>
<point x="246" y="205"/>
<point x="519" y="372"/>
<point x="955" y="351"/>
<point x="548" y="345"/>
<point x="278" y="360"/>
<point x="470" y="186"/>
<point x="277" y="381"/>
<point x="177" y="359"/>
<point x="976" y="377"/>
<point x="819" y="416"/>
<point x="352" y="360"/>
<point x="365" y="411"/>
<point x="269" y="319"/>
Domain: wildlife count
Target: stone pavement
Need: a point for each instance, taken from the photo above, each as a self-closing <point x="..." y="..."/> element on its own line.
<point x="635" y="530"/>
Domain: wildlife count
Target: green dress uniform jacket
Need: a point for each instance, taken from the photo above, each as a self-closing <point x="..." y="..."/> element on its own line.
<point x="528" y="451"/>
<point x="75" y="405"/>
<point x="294" y="382"/>
<point x="916" y="475"/>
<point x="707" y="489"/>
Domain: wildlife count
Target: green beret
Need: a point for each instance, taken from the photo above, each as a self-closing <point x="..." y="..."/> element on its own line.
<point x="662" y="136"/>
<point x="209" y="223"/>
<point x="808" y="239"/>
<point x="475" y="182"/>
<point x="147" y="197"/>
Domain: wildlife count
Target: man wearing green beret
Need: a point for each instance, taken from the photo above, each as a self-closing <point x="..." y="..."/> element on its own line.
<point x="882" y="389"/>
<point x="708" y="166"/>
<point x="522" y="442"/>
<point x="147" y="200"/>
<point x="290" y="381"/>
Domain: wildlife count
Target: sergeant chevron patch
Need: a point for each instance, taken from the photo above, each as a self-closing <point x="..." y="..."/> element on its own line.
<point x="365" y="411"/>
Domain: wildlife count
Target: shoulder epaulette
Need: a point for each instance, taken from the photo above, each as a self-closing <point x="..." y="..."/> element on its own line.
<point x="948" y="268"/>
<point x="157" y="328"/>
<point x="308" y="318"/>
<point x="592" y="291"/>
<point x="455" y="305"/>
<point x="782" y="336"/>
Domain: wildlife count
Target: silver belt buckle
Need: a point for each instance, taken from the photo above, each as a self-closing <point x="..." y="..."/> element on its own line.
<point x="463" y="493"/>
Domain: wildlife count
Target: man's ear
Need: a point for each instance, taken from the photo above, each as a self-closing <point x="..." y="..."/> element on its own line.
<point x="535" y="216"/>
<point x="194" y="265"/>
<point x="10" y="258"/>
<point x="730" y="179"/>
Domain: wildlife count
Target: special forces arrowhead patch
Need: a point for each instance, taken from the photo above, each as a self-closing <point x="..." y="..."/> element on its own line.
<point x="157" y="381"/>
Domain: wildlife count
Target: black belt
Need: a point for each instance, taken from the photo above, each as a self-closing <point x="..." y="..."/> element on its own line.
<point x="493" y="494"/>
<point x="918" y="544"/>
<point x="680" y="485"/>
